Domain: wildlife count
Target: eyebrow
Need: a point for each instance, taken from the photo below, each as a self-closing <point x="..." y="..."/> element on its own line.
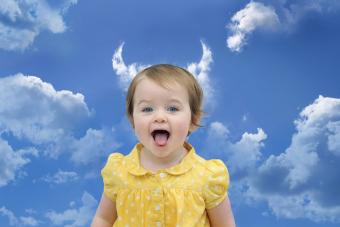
<point x="148" y="101"/>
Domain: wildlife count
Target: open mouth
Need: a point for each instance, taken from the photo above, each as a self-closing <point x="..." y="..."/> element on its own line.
<point x="160" y="137"/>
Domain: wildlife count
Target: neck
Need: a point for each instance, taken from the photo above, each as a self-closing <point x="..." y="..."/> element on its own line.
<point x="152" y="163"/>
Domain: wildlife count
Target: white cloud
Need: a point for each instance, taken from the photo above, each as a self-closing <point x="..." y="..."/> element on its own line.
<point x="199" y="69"/>
<point x="75" y="216"/>
<point x="218" y="130"/>
<point x="61" y="177"/>
<point x="254" y="16"/>
<point x="24" y="20"/>
<point x="279" y="15"/>
<point x="21" y="221"/>
<point x="10" y="162"/>
<point x="93" y="145"/>
<point x="124" y="72"/>
<point x="32" y="111"/>
<point x="241" y="155"/>
<point x="301" y="182"/>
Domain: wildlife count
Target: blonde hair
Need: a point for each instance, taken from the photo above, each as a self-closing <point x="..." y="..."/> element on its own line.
<point x="165" y="75"/>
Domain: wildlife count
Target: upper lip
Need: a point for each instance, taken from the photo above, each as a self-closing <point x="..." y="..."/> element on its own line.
<point x="159" y="129"/>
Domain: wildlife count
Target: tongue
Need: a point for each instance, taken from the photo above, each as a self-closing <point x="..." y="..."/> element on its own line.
<point x="161" y="139"/>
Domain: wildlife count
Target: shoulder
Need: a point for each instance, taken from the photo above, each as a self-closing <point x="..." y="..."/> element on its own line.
<point x="212" y="166"/>
<point x="113" y="164"/>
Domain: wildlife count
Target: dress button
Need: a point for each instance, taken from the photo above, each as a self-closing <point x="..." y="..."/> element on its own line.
<point x="162" y="175"/>
<point x="158" y="207"/>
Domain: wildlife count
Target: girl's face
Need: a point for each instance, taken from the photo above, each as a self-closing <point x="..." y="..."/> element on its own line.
<point x="161" y="118"/>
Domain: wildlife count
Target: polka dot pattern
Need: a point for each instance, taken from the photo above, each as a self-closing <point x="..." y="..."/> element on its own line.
<point x="174" y="197"/>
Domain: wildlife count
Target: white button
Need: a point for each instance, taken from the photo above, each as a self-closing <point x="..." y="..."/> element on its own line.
<point x="162" y="175"/>
<point x="158" y="207"/>
<point x="159" y="224"/>
<point x="157" y="190"/>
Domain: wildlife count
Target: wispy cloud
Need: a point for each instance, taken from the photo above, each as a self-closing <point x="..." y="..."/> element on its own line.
<point x="22" y="21"/>
<point x="61" y="177"/>
<point x="199" y="69"/>
<point x="254" y="16"/>
<point x="124" y="72"/>
<point x="18" y="221"/>
<point x="300" y="182"/>
<point x="73" y="217"/>
<point x="12" y="161"/>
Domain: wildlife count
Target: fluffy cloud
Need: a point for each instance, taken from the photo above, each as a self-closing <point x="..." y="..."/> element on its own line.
<point x="32" y="111"/>
<point x="241" y="156"/>
<point x="254" y="16"/>
<point x="272" y="16"/>
<point x="21" y="221"/>
<point x="302" y="181"/>
<point x="22" y="21"/>
<point x="199" y="69"/>
<point x="75" y="216"/>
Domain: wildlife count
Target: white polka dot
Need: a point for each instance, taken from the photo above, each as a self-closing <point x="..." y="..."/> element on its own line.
<point x="162" y="175"/>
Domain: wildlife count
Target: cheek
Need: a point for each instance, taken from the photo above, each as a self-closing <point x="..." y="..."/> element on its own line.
<point x="183" y="126"/>
<point x="140" y="126"/>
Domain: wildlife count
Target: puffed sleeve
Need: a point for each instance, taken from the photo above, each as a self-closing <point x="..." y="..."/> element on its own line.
<point x="110" y="174"/>
<point x="217" y="183"/>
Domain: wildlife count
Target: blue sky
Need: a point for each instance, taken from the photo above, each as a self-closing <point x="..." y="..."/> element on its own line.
<point x="270" y="71"/>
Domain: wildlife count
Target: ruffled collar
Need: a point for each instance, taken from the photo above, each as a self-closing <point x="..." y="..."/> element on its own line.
<point x="132" y="162"/>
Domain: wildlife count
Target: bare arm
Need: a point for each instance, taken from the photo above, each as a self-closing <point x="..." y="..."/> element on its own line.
<point x="106" y="213"/>
<point x="222" y="215"/>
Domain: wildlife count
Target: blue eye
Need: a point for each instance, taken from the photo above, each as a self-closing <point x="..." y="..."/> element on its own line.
<point x="147" y="109"/>
<point x="172" y="109"/>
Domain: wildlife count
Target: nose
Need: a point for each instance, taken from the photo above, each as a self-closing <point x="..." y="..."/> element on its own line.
<point x="160" y="117"/>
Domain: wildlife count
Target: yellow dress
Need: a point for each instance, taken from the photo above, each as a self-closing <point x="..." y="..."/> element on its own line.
<point x="174" y="197"/>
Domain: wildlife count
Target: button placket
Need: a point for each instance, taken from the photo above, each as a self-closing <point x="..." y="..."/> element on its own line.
<point x="158" y="206"/>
